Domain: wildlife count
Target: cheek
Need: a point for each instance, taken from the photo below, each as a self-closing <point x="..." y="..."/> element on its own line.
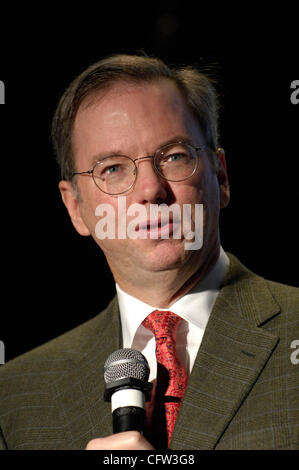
<point x="93" y="196"/>
<point x="90" y="205"/>
<point x="203" y="190"/>
<point x="209" y="188"/>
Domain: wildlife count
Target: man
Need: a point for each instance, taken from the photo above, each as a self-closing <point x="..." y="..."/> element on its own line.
<point x="130" y="127"/>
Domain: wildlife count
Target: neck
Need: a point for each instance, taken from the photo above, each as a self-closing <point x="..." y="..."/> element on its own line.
<point x="162" y="289"/>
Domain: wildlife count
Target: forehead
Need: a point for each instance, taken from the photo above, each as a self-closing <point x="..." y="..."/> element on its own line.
<point x="118" y="91"/>
<point x="132" y="118"/>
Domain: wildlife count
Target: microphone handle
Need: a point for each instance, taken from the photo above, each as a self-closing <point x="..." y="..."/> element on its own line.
<point x="128" y="410"/>
<point x="128" y="418"/>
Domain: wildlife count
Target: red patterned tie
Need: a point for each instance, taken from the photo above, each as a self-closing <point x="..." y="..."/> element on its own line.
<point x="171" y="375"/>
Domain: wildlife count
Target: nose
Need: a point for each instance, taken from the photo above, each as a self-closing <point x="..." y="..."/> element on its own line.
<point x="149" y="186"/>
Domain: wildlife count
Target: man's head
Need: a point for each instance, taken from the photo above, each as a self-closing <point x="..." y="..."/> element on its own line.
<point x="133" y="106"/>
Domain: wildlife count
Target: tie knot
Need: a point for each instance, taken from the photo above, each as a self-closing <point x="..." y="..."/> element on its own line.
<point x="162" y="323"/>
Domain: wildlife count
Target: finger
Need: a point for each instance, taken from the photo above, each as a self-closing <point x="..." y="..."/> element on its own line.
<point x="129" y="440"/>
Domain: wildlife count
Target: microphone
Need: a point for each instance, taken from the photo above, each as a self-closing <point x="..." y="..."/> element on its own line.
<point x="126" y="373"/>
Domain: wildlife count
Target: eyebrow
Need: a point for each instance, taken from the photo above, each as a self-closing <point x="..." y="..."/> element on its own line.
<point x="99" y="156"/>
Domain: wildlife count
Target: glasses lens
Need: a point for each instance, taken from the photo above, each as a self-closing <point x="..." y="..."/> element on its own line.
<point x="114" y="175"/>
<point x="176" y="162"/>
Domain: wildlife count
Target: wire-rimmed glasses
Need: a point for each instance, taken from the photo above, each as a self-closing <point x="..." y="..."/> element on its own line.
<point x="116" y="174"/>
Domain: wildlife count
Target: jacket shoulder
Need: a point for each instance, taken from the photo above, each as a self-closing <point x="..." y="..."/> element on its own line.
<point x="260" y="299"/>
<point x="287" y="297"/>
<point x="283" y="292"/>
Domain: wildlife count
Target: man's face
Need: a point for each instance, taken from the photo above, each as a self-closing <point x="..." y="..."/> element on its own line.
<point x="135" y="120"/>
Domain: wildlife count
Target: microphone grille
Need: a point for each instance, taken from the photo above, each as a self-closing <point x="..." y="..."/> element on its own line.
<point x="126" y="363"/>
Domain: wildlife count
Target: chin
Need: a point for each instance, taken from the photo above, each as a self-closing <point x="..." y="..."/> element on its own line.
<point x="166" y="255"/>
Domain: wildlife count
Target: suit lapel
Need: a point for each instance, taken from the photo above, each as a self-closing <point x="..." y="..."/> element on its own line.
<point x="79" y="393"/>
<point x="232" y="354"/>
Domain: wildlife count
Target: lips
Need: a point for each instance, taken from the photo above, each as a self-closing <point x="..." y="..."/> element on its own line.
<point x="153" y="225"/>
<point x="163" y="228"/>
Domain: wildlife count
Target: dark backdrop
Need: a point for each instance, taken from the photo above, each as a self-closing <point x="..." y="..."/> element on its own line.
<point x="53" y="279"/>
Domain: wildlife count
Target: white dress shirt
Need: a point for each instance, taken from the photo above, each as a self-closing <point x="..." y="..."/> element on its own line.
<point x="194" y="307"/>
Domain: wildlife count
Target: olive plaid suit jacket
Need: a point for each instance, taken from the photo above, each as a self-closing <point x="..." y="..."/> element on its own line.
<point x="242" y="393"/>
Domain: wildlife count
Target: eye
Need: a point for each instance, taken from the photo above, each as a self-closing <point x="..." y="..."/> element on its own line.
<point x="112" y="169"/>
<point x="174" y="157"/>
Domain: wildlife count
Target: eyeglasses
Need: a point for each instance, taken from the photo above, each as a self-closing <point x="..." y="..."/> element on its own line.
<point x="116" y="174"/>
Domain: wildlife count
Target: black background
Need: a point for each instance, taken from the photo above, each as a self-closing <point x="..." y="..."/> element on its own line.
<point x="53" y="279"/>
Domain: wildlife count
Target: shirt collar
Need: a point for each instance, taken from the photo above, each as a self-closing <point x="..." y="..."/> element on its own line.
<point x="194" y="307"/>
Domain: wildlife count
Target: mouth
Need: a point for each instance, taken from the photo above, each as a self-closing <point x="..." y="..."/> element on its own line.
<point x="161" y="228"/>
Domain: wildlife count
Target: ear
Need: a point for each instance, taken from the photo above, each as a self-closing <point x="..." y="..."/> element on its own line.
<point x="222" y="178"/>
<point x="71" y="202"/>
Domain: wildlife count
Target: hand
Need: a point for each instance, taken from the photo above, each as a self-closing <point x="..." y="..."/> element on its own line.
<point x="129" y="440"/>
